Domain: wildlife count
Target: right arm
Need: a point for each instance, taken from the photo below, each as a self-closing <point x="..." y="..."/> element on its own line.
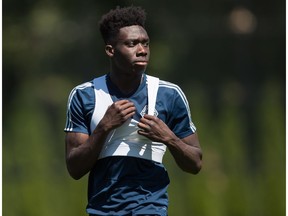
<point x="82" y="150"/>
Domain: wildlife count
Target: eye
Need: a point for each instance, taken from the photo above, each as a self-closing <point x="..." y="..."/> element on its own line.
<point x="145" y="44"/>
<point x="131" y="43"/>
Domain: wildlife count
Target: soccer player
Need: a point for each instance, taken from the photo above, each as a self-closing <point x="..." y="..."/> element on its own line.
<point x="119" y="125"/>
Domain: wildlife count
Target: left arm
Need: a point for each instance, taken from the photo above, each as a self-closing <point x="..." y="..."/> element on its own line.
<point x="186" y="152"/>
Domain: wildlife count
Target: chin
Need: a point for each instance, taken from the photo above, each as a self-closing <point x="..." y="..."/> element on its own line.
<point x="139" y="72"/>
<point x="139" y="68"/>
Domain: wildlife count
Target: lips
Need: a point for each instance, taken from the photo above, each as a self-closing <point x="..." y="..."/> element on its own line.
<point x="141" y="62"/>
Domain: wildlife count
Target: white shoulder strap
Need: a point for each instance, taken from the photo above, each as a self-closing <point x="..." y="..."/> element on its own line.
<point x="102" y="100"/>
<point x="153" y="84"/>
<point x="101" y="91"/>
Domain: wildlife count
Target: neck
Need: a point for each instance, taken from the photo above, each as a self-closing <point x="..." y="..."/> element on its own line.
<point x="126" y="83"/>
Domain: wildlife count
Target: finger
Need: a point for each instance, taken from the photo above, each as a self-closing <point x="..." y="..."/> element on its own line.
<point x="122" y="104"/>
<point x="129" y="115"/>
<point x="124" y="107"/>
<point x="151" y="120"/>
<point x="149" y="117"/>
<point x="143" y="126"/>
<point x="128" y="111"/>
<point x="148" y="122"/>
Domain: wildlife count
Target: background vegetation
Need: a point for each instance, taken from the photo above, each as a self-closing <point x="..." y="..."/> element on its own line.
<point x="228" y="57"/>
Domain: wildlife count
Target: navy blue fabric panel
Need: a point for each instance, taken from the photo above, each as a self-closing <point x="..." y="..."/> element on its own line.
<point x="122" y="185"/>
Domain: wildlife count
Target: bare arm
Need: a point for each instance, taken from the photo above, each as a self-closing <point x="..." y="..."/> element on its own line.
<point x="82" y="150"/>
<point x="186" y="152"/>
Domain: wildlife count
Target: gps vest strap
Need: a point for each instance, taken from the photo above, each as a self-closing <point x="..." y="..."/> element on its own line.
<point x="125" y="140"/>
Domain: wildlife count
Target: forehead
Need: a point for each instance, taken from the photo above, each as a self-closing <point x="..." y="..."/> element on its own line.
<point x="132" y="32"/>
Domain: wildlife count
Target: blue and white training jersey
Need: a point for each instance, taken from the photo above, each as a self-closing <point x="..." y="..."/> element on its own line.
<point x="128" y="182"/>
<point x="171" y="106"/>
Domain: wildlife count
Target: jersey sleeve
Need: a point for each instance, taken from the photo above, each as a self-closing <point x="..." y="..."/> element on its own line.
<point x="80" y="108"/>
<point x="181" y="121"/>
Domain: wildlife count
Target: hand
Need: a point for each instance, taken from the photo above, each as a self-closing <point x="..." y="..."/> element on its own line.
<point x="117" y="114"/>
<point x="155" y="129"/>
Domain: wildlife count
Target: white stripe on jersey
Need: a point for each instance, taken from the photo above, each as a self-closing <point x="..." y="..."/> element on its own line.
<point x="69" y="124"/>
<point x="166" y="84"/>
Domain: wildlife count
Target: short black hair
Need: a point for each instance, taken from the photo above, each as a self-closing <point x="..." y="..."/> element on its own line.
<point x="115" y="19"/>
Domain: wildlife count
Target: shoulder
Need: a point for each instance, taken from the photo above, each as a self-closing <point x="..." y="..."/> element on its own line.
<point x="84" y="87"/>
<point x="84" y="90"/>
<point x="171" y="88"/>
<point x="168" y="85"/>
<point x="168" y="89"/>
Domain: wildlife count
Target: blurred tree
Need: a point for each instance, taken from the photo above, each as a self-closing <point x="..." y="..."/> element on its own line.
<point x="229" y="58"/>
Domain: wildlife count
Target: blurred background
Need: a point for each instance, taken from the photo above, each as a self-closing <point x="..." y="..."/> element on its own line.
<point x="229" y="58"/>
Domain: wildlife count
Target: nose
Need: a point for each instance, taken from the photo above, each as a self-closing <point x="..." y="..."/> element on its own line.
<point x="142" y="50"/>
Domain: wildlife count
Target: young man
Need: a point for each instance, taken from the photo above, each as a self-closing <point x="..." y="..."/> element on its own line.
<point x="119" y="125"/>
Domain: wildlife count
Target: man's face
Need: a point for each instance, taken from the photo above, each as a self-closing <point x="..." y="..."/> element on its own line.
<point x="131" y="50"/>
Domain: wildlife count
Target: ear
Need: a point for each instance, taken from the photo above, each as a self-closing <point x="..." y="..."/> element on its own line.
<point x="109" y="50"/>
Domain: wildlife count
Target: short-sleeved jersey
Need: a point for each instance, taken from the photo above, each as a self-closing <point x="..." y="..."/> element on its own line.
<point x="124" y="185"/>
<point x="171" y="106"/>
